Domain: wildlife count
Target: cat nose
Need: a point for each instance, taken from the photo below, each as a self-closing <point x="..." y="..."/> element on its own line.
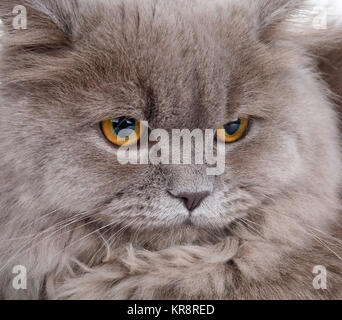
<point x="192" y="200"/>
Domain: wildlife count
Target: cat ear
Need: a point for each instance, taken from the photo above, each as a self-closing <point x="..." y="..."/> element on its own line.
<point x="35" y="37"/>
<point x="38" y="24"/>
<point x="324" y="46"/>
<point x="319" y="36"/>
<point x="270" y="14"/>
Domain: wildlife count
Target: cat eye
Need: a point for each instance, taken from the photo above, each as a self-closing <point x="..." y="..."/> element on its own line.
<point x="233" y="131"/>
<point x="122" y="131"/>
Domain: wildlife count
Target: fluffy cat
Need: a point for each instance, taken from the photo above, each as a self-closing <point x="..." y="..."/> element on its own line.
<point x="87" y="227"/>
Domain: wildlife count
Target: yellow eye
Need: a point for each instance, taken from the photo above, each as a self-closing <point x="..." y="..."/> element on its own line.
<point x="233" y="131"/>
<point x="122" y="131"/>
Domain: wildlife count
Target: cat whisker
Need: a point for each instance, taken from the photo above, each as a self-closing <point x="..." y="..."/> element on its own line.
<point x="84" y="237"/>
<point x="40" y="233"/>
<point x="327" y="235"/>
<point x="248" y="223"/>
<point x="110" y="242"/>
<point x="311" y="234"/>
<point x="55" y="233"/>
<point x="326" y="246"/>
<point x="20" y="250"/>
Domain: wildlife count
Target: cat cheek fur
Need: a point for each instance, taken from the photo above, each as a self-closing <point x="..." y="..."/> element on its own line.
<point x="81" y="62"/>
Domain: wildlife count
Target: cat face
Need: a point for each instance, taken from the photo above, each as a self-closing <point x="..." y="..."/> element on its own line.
<point x="177" y="66"/>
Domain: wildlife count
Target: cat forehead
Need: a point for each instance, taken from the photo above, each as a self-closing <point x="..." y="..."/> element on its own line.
<point x="199" y="85"/>
<point x="168" y="65"/>
<point x="195" y="84"/>
<point x="171" y="61"/>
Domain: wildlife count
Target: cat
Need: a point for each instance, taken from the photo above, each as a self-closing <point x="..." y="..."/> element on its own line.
<point x="84" y="226"/>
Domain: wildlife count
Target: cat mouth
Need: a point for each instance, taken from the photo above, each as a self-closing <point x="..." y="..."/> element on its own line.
<point x="188" y="222"/>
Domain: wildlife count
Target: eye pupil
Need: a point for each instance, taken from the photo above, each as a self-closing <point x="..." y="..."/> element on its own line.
<point x="122" y="130"/>
<point x="234" y="130"/>
<point x="123" y="127"/>
<point x="232" y="127"/>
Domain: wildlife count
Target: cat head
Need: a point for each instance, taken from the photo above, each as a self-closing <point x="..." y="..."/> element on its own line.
<point x="178" y="65"/>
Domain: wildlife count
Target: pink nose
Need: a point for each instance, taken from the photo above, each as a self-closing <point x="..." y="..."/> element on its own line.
<point x="192" y="200"/>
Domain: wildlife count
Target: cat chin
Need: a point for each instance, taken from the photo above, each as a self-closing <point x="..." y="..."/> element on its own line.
<point x="199" y="223"/>
<point x="180" y="234"/>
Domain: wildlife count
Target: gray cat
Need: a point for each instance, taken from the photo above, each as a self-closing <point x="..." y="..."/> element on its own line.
<point x="84" y="226"/>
